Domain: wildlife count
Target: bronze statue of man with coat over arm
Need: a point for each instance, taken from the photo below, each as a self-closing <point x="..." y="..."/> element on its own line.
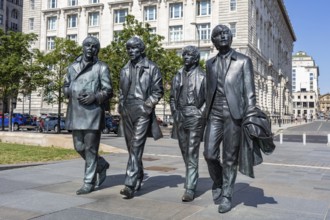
<point x="88" y="87"/>
<point x="187" y="101"/>
<point x="230" y="95"/>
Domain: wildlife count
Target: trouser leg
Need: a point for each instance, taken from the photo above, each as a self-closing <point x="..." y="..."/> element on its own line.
<point x="183" y="141"/>
<point x="213" y="138"/>
<point x="136" y="144"/>
<point x="231" y="141"/>
<point x="101" y="163"/>
<point x="86" y="143"/>
<point x="184" y="145"/>
<point x="192" y="156"/>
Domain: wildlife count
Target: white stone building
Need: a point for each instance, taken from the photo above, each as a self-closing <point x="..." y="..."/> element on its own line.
<point x="305" y="88"/>
<point x="305" y="105"/>
<point x="261" y="29"/>
<point x="324" y="102"/>
<point x="11" y="13"/>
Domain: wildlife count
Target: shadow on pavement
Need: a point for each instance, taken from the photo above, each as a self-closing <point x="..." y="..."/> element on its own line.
<point x="251" y="196"/>
<point x="153" y="183"/>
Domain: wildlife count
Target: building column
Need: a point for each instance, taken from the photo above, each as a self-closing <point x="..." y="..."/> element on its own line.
<point x="270" y="101"/>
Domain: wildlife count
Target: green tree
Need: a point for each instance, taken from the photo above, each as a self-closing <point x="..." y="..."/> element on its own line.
<point x="116" y="57"/>
<point x="15" y="65"/>
<point x="54" y="64"/>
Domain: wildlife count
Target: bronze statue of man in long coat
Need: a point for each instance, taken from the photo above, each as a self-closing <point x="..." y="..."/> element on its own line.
<point x="230" y="95"/>
<point x="88" y="87"/>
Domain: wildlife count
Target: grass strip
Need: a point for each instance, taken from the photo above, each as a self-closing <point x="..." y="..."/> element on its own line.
<point x="19" y="153"/>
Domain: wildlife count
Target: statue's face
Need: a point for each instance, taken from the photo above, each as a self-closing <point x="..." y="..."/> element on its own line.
<point x="89" y="50"/>
<point x="222" y="40"/>
<point x="188" y="58"/>
<point x="134" y="51"/>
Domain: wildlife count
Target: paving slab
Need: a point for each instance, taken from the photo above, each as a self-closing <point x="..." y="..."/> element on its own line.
<point x="292" y="183"/>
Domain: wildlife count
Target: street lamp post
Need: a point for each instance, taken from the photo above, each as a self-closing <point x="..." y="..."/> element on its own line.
<point x="280" y="104"/>
<point x="198" y="34"/>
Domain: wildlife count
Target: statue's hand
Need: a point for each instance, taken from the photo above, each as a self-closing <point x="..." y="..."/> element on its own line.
<point x="86" y="98"/>
<point x="147" y="109"/>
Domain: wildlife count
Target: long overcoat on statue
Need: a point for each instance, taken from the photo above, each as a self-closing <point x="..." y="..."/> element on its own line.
<point x="239" y="84"/>
<point x="93" y="78"/>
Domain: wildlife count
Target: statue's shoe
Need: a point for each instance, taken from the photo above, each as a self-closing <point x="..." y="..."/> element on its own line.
<point x="85" y="189"/>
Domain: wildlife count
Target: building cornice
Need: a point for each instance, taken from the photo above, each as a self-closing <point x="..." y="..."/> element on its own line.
<point x="286" y="19"/>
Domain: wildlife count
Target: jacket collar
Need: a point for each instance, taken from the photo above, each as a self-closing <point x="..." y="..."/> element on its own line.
<point x="76" y="64"/>
<point x="143" y="63"/>
<point x="232" y="54"/>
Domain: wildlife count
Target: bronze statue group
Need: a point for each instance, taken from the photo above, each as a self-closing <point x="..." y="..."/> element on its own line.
<point x="209" y="106"/>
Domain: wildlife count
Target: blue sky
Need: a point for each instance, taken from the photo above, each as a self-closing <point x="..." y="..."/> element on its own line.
<point x="311" y="24"/>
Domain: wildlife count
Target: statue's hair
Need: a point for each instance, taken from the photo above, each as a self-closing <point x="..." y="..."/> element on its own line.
<point x="137" y="41"/>
<point x="194" y="50"/>
<point x="93" y="40"/>
<point x="218" y="29"/>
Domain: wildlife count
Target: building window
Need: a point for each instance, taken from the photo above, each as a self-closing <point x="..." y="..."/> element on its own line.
<point x="1" y="19"/>
<point x="50" y="43"/>
<point x="31" y="24"/>
<point x="120" y="15"/>
<point x="93" y="19"/>
<point x="233" y="5"/>
<point x="232" y="27"/>
<point x="51" y="23"/>
<point x="204" y="55"/>
<point x="52" y="4"/>
<point x="176" y="33"/>
<point x="311" y="76"/>
<point x="150" y="13"/>
<point x="203" y="7"/>
<point x="153" y="30"/>
<point x="32" y="6"/>
<point x="94" y="34"/>
<point x="176" y="10"/>
<point x="13" y="26"/>
<point x="204" y="31"/>
<point x="72" y="37"/>
<point x="73" y="2"/>
<point x="14" y="14"/>
<point x="72" y="21"/>
<point x="93" y="1"/>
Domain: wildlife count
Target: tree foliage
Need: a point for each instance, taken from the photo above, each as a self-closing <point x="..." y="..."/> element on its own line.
<point x="116" y="57"/>
<point x="15" y="65"/>
<point x="54" y="64"/>
<point x="15" y="62"/>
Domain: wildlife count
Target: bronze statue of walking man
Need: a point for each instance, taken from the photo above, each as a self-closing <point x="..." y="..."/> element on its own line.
<point x="230" y="95"/>
<point x="187" y="101"/>
<point x="88" y="87"/>
<point x="140" y="90"/>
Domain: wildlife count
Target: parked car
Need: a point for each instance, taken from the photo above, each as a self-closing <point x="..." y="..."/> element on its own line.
<point x="116" y="118"/>
<point x="18" y="120"/>
<point x="50" y="123"/>
<point x="111" y="125"/>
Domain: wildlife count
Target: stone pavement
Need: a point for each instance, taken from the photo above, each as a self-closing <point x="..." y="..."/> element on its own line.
<point x="292" y="183"/>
